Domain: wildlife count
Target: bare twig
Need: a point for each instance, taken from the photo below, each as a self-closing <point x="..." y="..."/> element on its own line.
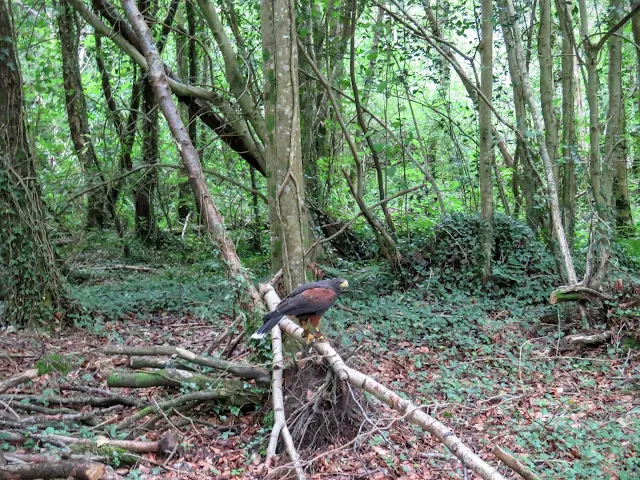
<point x="18" y="380"/>
<point x="514" y="464"/>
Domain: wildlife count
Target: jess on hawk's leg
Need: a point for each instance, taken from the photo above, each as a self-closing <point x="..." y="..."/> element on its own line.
<point x="315" y="321"/>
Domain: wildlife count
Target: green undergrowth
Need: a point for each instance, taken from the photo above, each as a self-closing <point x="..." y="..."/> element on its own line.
<point x="172" y="290"/>
<point x="468" y="350"/>
<point x="473" y="350"/>
<point x="185" y="277"/>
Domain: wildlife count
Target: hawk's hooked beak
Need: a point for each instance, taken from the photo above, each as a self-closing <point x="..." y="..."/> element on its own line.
<point x="344" y="285"/>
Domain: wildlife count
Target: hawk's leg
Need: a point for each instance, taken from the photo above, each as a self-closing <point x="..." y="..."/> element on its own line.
<point x="305" y="331"/>
<point x="315" y="322"/>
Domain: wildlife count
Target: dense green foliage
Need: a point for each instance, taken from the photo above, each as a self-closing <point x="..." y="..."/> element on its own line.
<point x="387" y="114"/>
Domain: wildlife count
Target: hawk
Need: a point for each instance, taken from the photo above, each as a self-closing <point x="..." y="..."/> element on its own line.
<point x="307" y="304"/>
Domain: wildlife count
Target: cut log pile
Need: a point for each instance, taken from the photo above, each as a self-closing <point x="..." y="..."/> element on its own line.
<point x="102" y="427"/>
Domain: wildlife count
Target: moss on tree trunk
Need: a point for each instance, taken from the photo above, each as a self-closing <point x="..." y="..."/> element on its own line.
<point x="32" y="285"/>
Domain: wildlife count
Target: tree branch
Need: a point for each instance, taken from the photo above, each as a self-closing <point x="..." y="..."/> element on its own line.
<point x="280" y="421"/>
<point x="634" y="10"/>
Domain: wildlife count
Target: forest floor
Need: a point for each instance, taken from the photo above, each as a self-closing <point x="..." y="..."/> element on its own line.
<point x="486" y="368"/>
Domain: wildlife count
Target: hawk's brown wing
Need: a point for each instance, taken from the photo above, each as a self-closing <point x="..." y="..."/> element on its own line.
<point x="311" y="300"/>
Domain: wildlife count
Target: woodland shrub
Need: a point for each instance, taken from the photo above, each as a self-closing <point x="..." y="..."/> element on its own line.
<point x="450" y="254"/>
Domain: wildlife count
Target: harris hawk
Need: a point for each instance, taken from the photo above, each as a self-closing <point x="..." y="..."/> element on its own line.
<point x="307" y="304"/>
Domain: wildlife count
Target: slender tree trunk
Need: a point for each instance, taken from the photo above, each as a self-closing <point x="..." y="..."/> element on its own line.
<point x="599" y="247"/>
<point x="189" y="70"/>
<point x="77" y="113"/>
<point x="285" y="181"/>
<point x="485" y="160"/>
<point x="624" y="220"/>
<point x="546" y="84"/>
<point x="145" y="219"/>
<point x="224" y="124"/>
<point x="513" y="40"/>
<point x="501" y="190"/>
<point x="362" y="122"/>
<point x="528" y="181"/>
<point x="635" y="27"/>
<point x="255" y="210"/>
<point x="235" y="78"/>
<point x="31" y="280"/>
<point x="120" y="127"/>
<point x="146" y="227"/>
<point x="615" y="142"/>
<point x="384" y="239"/>
<point x="569" y="147"/>
<point x="130" y="128"/>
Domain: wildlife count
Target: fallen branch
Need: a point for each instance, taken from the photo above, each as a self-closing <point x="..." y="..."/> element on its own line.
<point x="28" y="407"/>
<point x="151" y="362"/>
<point x="389" y="397"/>
<point x="280" y="421"/>
<point x="162" y="446"/>
<point x="574" y="293"/>
<point x="172" y="377"/>
<point x="582" y="339"/>
<point x="514" y="464"/>
<point x="121" y="399"/>
<point x="57" y="400"/>
<point x="60" y="469"/>
<point x="84" y="418"/>
<point x="134" y="268"/>
<point x="18" y="380"/>
<point x="633" y="303"/>
<point x="259" y="374"/>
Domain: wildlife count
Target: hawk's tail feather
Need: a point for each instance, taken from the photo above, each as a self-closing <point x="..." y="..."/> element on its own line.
<point x="270" y="320"/>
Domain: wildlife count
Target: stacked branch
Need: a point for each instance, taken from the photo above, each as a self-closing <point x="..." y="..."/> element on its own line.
<point x="29" y="418"/>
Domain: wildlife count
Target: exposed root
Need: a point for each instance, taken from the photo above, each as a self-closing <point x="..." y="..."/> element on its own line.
<point x="321" y="410"/>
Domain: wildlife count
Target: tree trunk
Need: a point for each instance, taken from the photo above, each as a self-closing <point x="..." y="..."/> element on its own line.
<point x="513" y="40"/>
<point x="145" y="219"/>
<point x="285" y="182"/>
<point x="362" y="122"/>
<point x="146" y="227"/>
<point x="485" y="160"/>
<point x="615" y="142"/>
<point x="255" y="223"/>
<point x="528" y="183"/>
<point x="569" y="147"/>
<point x="635" y="27"/>
<point x="188" y="68"/>
<point x="77" y="113"/>
<point x="235" y="78"/>
<point x="546" y="84"/>
<point x="32" y="284"/>
<point x="120" y="126"/>
<point x="224" y="124"/>
<point x="599" y="172"/>
<point x="624" y="220"/>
